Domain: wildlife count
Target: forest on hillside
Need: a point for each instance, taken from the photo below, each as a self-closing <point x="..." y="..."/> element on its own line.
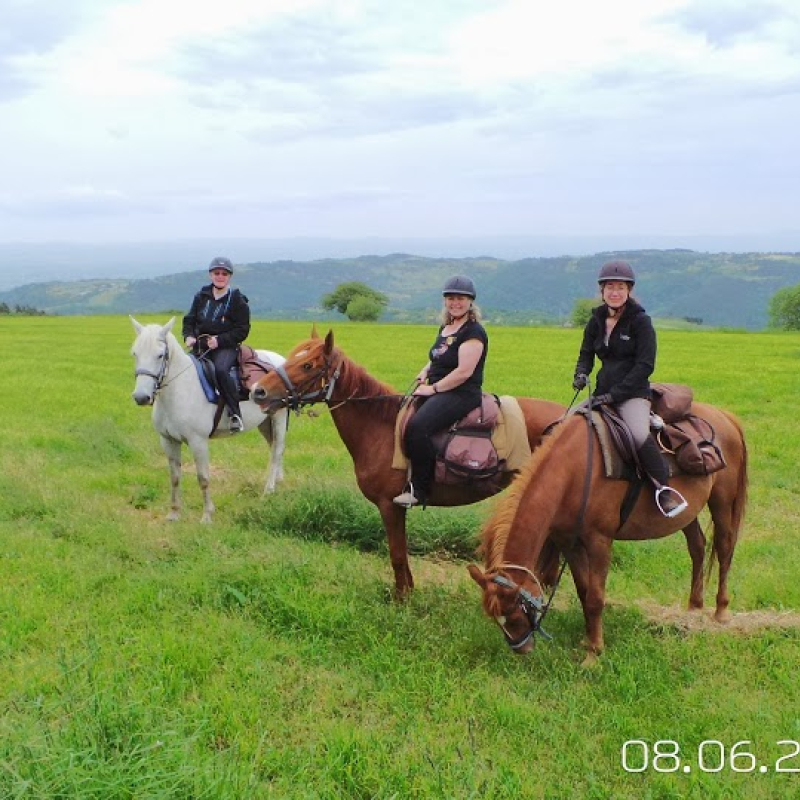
<point x="713" y="289"/>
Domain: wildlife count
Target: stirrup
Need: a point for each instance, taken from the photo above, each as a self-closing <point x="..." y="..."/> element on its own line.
<point x="407" y="499"/>
<point x="679" y="500"/>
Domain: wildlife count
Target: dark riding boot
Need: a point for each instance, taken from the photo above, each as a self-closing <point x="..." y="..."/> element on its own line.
<point x="670" y="502"/>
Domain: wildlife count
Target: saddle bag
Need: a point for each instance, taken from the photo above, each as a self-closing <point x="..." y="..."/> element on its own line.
<point x="251" y="368"/>
<point x="671" y="401"/>
<point x="691" y="440"/>
<point x="465" y="451"/>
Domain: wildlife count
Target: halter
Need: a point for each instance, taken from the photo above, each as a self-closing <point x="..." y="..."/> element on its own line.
<point x="161" y="375"/>
<point x="532" y="607"/>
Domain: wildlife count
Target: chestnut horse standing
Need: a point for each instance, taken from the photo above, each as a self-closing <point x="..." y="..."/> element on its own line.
<point x="364" y="411"/>
<point x="562" y="501"/>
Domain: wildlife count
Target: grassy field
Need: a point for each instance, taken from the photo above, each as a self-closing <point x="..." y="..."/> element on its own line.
<point x="261" y="657"/>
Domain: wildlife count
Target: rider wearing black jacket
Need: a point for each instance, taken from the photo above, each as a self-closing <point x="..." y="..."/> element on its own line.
<point x="621" y="336"/>
<point x="217" y="323"/>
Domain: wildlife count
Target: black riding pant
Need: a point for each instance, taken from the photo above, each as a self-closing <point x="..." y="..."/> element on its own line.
<point x="434" y="414"/>
<point x="223" y="358"/>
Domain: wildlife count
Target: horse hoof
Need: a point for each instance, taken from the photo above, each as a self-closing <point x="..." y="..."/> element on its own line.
<point x="592" y="659"/>
<point x="723" y="616"/>
<point x="205" y="519"/>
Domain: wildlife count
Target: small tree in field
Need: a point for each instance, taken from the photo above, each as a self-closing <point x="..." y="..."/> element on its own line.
<point x="582" y="311"/>
<point x="357" y="300"/>
<point x="784" y="309"/>
<point x="364" y="309"/>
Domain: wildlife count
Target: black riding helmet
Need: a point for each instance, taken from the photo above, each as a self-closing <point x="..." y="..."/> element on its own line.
<point x="220" y="262"/>
<point x="616" y="271"/>
<point x="459" y="284"/>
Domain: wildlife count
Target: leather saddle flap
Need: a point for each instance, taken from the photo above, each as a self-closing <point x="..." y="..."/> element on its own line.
<point x="501" y="417"/>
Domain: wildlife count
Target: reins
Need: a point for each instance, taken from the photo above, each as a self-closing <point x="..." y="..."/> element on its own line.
<point x="160" y="377"/>
<point x="535" y="608"/>
<point x="300" y="396"/>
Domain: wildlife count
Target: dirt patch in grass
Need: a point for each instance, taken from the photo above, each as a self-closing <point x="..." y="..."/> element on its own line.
<point x="740" y="622"/>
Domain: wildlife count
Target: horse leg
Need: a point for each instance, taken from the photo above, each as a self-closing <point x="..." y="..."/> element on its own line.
<point x="199" y="448"/>
<point x="172" y="449"/>
<point x="589" y="565"/>
<point x="724" y="543"/>
<point x="394" y="523"/>
<point x="273" y="429"/>
<point x="696" y="544"/>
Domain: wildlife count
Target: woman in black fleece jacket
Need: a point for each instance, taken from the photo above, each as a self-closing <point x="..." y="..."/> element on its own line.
<point x="217" y="323"/>
<point x="621" y="335"/>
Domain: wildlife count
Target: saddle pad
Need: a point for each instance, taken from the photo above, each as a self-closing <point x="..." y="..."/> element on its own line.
<point x="612" y="461"/>
<point x="509" y="437"/>
<point x="208" y="389"/>
<point x="614" y="465"/>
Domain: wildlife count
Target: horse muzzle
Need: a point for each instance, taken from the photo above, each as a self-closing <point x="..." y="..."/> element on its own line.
<point x="142" y="398"/>
<point x="267" y="403"/>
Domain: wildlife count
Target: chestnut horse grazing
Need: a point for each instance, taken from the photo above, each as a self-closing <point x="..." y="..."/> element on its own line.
<point x="364" y="411"/>
<point x="563" y="502"/>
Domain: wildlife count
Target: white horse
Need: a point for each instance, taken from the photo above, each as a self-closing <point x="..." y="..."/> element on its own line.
<point x="167" y="379"/>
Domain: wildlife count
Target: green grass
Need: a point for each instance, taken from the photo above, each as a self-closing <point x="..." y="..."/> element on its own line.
<point x="262" y="656"/>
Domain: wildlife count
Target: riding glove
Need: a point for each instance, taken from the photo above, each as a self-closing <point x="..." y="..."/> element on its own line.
<point x="580" y="381"/>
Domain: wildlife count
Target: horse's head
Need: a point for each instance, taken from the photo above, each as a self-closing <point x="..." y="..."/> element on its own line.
<point x="517" y="611"/>
<point x="307" y="376"/>
<point x="151" y="358"/>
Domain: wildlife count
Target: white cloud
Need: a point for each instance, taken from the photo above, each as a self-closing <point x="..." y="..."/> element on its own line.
<point x="355" y="117"/>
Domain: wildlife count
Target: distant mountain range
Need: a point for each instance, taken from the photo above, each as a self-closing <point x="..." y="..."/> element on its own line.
<point x="718" y="289"/>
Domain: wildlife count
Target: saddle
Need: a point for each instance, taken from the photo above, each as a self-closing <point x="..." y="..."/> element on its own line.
<point x="687" y="441"/>
<point x="247" y="370"/>
<point x="251" y="368"/>
<point x="480" y="449"/>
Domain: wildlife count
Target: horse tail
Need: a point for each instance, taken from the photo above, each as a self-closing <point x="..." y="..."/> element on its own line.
<point x="739" y="501"/>
<point x="267" y="428"/>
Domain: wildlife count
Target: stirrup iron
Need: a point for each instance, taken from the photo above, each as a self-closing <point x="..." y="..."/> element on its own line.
<point x="679" y="499"/>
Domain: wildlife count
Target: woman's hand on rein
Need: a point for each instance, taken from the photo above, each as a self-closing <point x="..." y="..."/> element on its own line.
<point x="424" y="390"/>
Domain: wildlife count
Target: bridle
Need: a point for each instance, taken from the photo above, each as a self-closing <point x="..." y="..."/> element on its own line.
<point x="160" y="376"/>
<point x="534" y="608"/>
<point x="307" y="392"/>
<point x="318" y="386"/>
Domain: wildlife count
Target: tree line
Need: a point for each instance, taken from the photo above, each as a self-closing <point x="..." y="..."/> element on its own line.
<point x="26" y="311"/>
<point x="361" y="303"/>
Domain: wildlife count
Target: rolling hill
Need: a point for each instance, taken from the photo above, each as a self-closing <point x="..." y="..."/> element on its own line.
<point x="719" y="289"/>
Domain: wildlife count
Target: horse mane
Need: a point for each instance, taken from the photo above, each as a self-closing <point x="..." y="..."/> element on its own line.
<point x="354" y="380"/>
<point x="497" y="528"/>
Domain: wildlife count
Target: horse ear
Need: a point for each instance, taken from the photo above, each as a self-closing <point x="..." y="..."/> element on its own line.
<point x="329" y="341"/>
<point x="137" y="326"/>
<point x="168" y="327"/>
<point x="314" y="334"/>
<point x="477" y="575"/>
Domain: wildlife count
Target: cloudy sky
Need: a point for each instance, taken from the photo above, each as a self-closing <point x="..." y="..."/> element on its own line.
<point x="136" y="120"/>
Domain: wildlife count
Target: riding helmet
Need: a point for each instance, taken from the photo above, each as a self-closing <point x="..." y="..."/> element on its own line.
<point x="616" y="271"/>
<point x="459" y="284"/>
<point x="220" y="262"/>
